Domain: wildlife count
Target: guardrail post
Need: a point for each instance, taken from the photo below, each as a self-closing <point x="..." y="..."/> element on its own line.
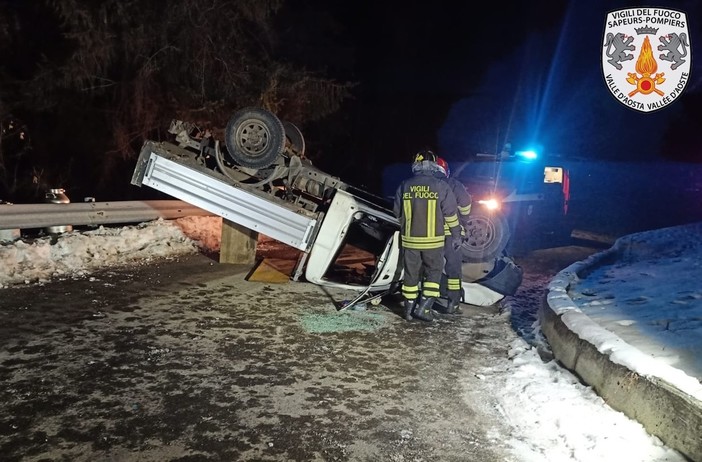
<point x="238" y="244"/>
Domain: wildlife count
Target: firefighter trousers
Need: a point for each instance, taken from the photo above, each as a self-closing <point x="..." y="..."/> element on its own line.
<point x="454" y="270"/>
<point x="417" y="263"/>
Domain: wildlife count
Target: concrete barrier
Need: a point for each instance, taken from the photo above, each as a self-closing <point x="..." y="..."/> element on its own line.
<point x="668" y="406"/>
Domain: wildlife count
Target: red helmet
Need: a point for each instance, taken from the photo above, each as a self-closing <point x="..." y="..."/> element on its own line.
<point x="443" y="165"/>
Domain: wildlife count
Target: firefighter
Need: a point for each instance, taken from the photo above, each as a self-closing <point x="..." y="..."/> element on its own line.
<point x="424" y="203"/>
<point x="454" y="258"/>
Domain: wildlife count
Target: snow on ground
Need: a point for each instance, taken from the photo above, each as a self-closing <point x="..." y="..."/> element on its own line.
<point x="76" y="254"/>
<point x="650" y="295"/>
<point x="554" y="416"/>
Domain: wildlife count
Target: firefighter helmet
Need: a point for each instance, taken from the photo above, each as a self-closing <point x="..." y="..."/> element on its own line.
<point x="443" y="166"/>
<point x="424" y="155"/>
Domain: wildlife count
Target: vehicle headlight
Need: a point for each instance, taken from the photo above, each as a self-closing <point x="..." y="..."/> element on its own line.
<point x="491" y="204"/>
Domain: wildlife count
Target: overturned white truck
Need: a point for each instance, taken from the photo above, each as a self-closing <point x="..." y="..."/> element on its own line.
<point x="260" y="179"/>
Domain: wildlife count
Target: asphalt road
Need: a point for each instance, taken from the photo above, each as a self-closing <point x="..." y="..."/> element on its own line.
<point x="185" y="360"/>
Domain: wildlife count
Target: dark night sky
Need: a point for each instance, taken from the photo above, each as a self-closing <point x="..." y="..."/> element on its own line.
<point x="463" y="79"/>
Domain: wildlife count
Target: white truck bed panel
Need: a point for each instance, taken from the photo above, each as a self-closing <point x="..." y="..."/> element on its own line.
<point x="232" y="203"/>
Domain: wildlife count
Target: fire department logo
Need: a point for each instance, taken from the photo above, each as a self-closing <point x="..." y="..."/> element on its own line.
<point x="646" y="56"/>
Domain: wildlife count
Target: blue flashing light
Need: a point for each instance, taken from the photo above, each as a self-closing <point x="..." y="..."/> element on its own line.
<point x="530" y="155"/>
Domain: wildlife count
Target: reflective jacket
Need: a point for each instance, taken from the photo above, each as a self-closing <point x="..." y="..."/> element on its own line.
<point x="424" y="204"/>
<point x="464" y="201"/>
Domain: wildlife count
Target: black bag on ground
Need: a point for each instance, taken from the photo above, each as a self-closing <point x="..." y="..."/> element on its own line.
<point x="505" y="278"/>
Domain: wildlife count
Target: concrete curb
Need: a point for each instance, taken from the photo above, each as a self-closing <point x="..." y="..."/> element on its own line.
<point x="668" y="405"/>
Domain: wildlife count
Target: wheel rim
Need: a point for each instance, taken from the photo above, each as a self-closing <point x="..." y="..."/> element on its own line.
<point x="253" y="137"/>
<point x="481" y="233"/>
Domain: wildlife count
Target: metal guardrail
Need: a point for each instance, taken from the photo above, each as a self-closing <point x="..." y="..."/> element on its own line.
<point x="26" y="216"/>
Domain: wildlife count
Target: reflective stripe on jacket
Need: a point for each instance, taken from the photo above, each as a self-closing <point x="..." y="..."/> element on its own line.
<point x="424" y="204"/>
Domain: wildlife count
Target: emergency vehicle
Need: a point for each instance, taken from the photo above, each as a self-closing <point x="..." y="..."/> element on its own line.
<point x="522" y="197"/>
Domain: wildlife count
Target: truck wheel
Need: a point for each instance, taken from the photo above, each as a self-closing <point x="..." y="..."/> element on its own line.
<point x="295" y="142"/>
<point x="255" y="138"/>
<point x="486" y="237"/>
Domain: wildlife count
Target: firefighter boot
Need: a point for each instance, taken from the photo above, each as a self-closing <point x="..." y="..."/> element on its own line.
<point x="409" y="307"/>
<point x="452" y="307"/>
<point x="423" y="309"/>
<point x="454" y="303"/>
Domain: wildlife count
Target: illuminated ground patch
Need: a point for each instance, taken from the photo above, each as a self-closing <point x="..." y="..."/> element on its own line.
<point x="344" y="321"/>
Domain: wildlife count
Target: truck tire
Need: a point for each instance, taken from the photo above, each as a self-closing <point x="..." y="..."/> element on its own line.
<point x="255" y="138"/>
<point x="295" y="144"/>
<point x="486" y="237"/>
